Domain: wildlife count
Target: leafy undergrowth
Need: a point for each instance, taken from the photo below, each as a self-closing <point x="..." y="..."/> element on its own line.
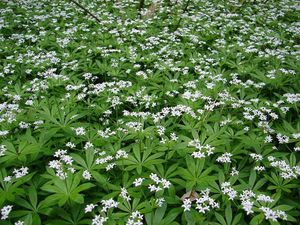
<point x="184" y="113"/>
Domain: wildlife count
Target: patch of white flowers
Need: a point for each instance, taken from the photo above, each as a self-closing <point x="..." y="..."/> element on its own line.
<point x="5" y="211"/>
<point x="228" y="190"/>
<point x="224" y="158"/>
<point x="2" y="150"/>
<point x="62" y="165"/>
<point x="136" y="218"/>
<point x="160" y="183"/>
<point x="203" y="150"/>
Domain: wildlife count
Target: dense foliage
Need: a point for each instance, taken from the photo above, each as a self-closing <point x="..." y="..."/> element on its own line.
<point x="186" y="112"/>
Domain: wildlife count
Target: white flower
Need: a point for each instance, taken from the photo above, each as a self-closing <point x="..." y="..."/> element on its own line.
<point x="89" y="208"/>
<point x="2" y="150"/>
<point x="87" y="76"/>
<point x="165" y="183"/>
<point x="268" y="139"/>
<point x="159" y="202"/>
<point x="154" y="188"/>
<point x="104" y="160"/>
<point x="259" y="168"/>
<point x="247" y="194"/>
<point x="7" y="178"/>
<point x="198" y="155"/>
<point x="5" y="212"/>
<point x="55" y="164"/>
<point x="20" y="172"/>
<point x="174" y="137"/>
<point x="19" y="223"/>
<point x="246" y="129"/>
<point x="88" y="145"/>
<point x="110" y="166"/>
<point x="29" y="102"/>
<point x="70" y="145"/>
<point x="80" y="131"/>
<point x="224" y="158"/>
<point x="203" y="149"/>
<point x="234" y="172"/>
<point x="107" y="204"/>
<point x="256" y="157"/>
<point x="121" y="154"/>
<point x="86" y="175"/>
<point x="59" y="153"/>
<point x="155" y="178"/>
<point x="264" y="198"/>
<point x="187" y="204"/>
<point x="135" y="218"/>
<point x="160" y="130"/>
<point x="138" y="181"/>
<point x="247" y="206"/>
<point x="205" y="203"/>
<point x="296" y="135"/>
<point x="3" y="132"/>
<point x="297" y="149"/>
<point x="124" y="194"/>
<point x="98" y="220"/>
<point x="282" y="138"/>
<point x="226" y="189"/>
<point x="273" y="214"/>
<point x="67" y="159"/>
<point x="24" y="125"/>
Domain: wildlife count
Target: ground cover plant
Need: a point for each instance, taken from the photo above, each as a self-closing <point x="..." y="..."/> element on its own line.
<point x="149" y="112"/>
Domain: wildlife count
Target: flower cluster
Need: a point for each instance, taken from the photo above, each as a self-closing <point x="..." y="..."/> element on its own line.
<point x="204" y="203"/>
<point x="63" y="164"/>
<point x="203" y="150"/>
<point x="2" y="150"/>
<point x="224" y="158"/>
<point x="136" y="218"/>
<point x="203" y="94"/>
<point x="228" y="190"/>
<point x="5" y="211"/>
<point x="160" y="184"/>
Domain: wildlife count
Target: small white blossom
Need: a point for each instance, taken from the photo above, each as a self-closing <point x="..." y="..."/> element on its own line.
<point x="136" y="218"/>
<point x="2" y="150"/>
<point x="70" y="145"/>
<point x="108" y="204"/>
<point x="124" y="194"/>
<point x="234" y="172"/>
<point x="224" y="158"/>
<point x="273" y="214"/>
<point x="98" y="220"/>
<point x="159" y="201"/>
<point x="89" y="208"/>
<point x="86" y="175"/>
<point x="282" y="138"/>
<point x="5" y="211"/>
<point x="88" y="145"/>
<point x="226" y="189"/>
<point x="264" y="198"/>
<point x="187" y="204"/>
<point x="20" y="172"/>
<point x="121" y="154"/>
<point x="80" y="131"/>
<point x="137" y="182"/>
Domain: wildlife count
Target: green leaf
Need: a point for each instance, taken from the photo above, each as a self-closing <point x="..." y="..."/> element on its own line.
<point x="159" y="214"/>
<point x="252" y="178"/>
<point x="237" y="219"/>
<point x="171" y="216"/>
<point x="228" y="213"/>
<point x="220" y="218"/>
